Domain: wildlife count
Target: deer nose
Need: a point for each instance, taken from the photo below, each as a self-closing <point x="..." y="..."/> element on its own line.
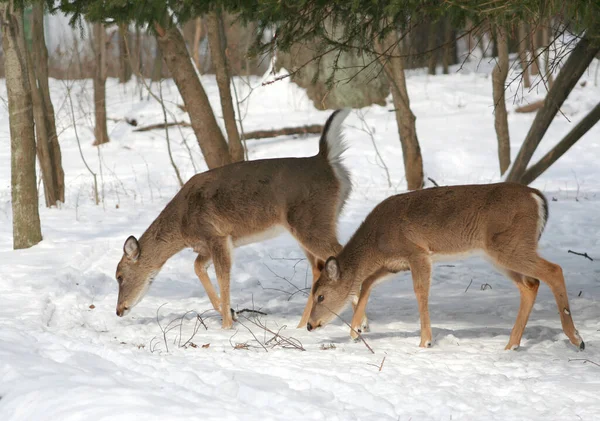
<point x="309" y="326"/>
<point x="121" y="310"/>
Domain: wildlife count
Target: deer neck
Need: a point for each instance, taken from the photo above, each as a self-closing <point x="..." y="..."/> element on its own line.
<point x="357" y="262"/>
<point x="161" y="241"/>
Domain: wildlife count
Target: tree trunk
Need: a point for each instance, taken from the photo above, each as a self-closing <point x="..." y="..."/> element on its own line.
<point x="157" y="65"/>
<point x="431" y="48"/>
<point x="218" y="46"/>
<point x="209" y="136"/>
<point x="100" y="130"/>
<point x="449" y="51"/>
<point x="198" y="35"/>
<point x="563" y="146"/>
<point x="578" y="61"/>
<point x="546" y="43"/>
<point x="40" y="58"/>
<point x="500" y="115"/>
<point x="124" y="62"/>
<point x="411" y="151"/>
<point x="533" y="42"/>
<point x="26" y="219"/>
<point x="523" y="55"/>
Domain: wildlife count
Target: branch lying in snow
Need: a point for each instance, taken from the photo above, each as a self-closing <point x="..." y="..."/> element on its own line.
<point x="585" y="360"/>
<point x="257" y="134"/>
<point x="529" y="108"/>
<point x="276" y="340"/>
<point x="580" y="254"/>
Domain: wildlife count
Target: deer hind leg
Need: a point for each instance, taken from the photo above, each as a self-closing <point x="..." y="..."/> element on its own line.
<point x="528" y="288"/>
<point x="530" y="264"/>
<point x="200" y="269"/>
<point x="221" y="254"/>
<point x="420" y="267"/>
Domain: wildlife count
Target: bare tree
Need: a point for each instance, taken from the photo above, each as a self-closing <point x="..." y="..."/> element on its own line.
<point x="198" y="35"/>
<point x="124" y="63"/>
<point x="411" y="151"/>
<point x="100" y="129"/>
<point x="578" y="61"/>
<point x="523" y="55"/>
<point x="39" y="56"/>
<point x="207" y="131"/>
<point x="500" y="115"/>
<point x="26" y="219"/>
<point x="218" y="46"/>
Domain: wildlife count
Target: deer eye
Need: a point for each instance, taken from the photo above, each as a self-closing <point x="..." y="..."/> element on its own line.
<point x="320" y="298"/>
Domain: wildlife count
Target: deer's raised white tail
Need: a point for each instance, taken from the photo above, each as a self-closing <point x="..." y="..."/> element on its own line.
<point x="240" y="203"/>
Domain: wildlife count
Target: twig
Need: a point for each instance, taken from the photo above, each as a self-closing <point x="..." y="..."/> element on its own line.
<point x="247" y="310"/>
<point x="252" y="333"/>
<point x="485" y="286"/>
<point x="353" y="330"/>
<point x="469" y="285"/>
<point x="585" y="360"/>
<point x="581" y="254"/>
<point x="289" y="341"/>
<point x="433" y="181"/>
<point x="164" y="110"/>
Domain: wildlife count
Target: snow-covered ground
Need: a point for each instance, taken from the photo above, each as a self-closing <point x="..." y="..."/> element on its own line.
<point x="65" y="355"/>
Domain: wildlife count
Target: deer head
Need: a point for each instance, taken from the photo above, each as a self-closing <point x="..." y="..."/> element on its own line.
<point x="329" y="296"/>
<point x="134" y="275"/>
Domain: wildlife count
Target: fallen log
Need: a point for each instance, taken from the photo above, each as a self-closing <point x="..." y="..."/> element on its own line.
<point x="529" y="108"/>
<point x="257" y="134"/>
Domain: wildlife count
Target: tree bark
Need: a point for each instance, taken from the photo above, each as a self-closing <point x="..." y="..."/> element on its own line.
<point x="218" y="46"/>
<point x="500" y="115"/>
<point x="39" y="55"/>
<point x="523" y="55"/>
<point x="100" y="130"/>
<point x="209" y="136"/>
<point x="563" y="146"/>
<point x="124" y="62"/>
<point x="533" y="42"/>
<point x="26" y="219"/>
<point x="157" y="66"/>
<point x="578" y="61"/>
<point x="411" y="151"/>
<point x="449" y="50"/>
<point x="546" y="43"/>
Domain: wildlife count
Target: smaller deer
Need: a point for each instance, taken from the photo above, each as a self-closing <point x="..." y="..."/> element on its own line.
<point x="408" y="231"/>
<point x="238" y="204"/>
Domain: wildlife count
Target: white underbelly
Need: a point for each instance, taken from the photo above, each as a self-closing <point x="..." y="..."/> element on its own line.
<point x="272" y="232"/>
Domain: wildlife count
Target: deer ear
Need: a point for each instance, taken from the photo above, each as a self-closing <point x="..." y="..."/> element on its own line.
<point x="131" y="248"/>
<point x="333" y="269"/>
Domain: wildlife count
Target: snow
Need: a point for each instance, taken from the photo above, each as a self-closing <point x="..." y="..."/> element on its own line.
<point x="65" y="355"/>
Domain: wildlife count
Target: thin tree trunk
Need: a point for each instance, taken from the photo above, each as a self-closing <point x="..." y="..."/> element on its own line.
<point x="449" y="51"/>
<point x="124" y="63"/>
<point x="157" y="65"/>
<point x="218" y="46"/>
<point x="26" y="219"/>
<point x="533" y="41"/>
<point x="578" y="61"/>
<point x="431" y="44"/>
<point x="40" y="58"/>
<point x="500" y="115"/>
<point x="100" y="130"/>
<point x="209" y="136"/>
<point x="197" y="37"/>
<point x="523" y="55"/>
<point x="546" y="43"/>
<point x="563" y="146"/>
<point x="411" y="151"/>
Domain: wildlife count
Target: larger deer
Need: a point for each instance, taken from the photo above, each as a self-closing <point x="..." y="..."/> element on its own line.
<point x="408" y="231"/>
<point x="238" y="204"/>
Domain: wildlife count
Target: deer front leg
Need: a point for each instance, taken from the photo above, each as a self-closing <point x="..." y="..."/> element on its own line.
<point x="200" y="269"/>
<point x="359" y="316"/>
<point x="420" y="267"/>
<point x="316" y="265"/>
<point x="221" y="255"/>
